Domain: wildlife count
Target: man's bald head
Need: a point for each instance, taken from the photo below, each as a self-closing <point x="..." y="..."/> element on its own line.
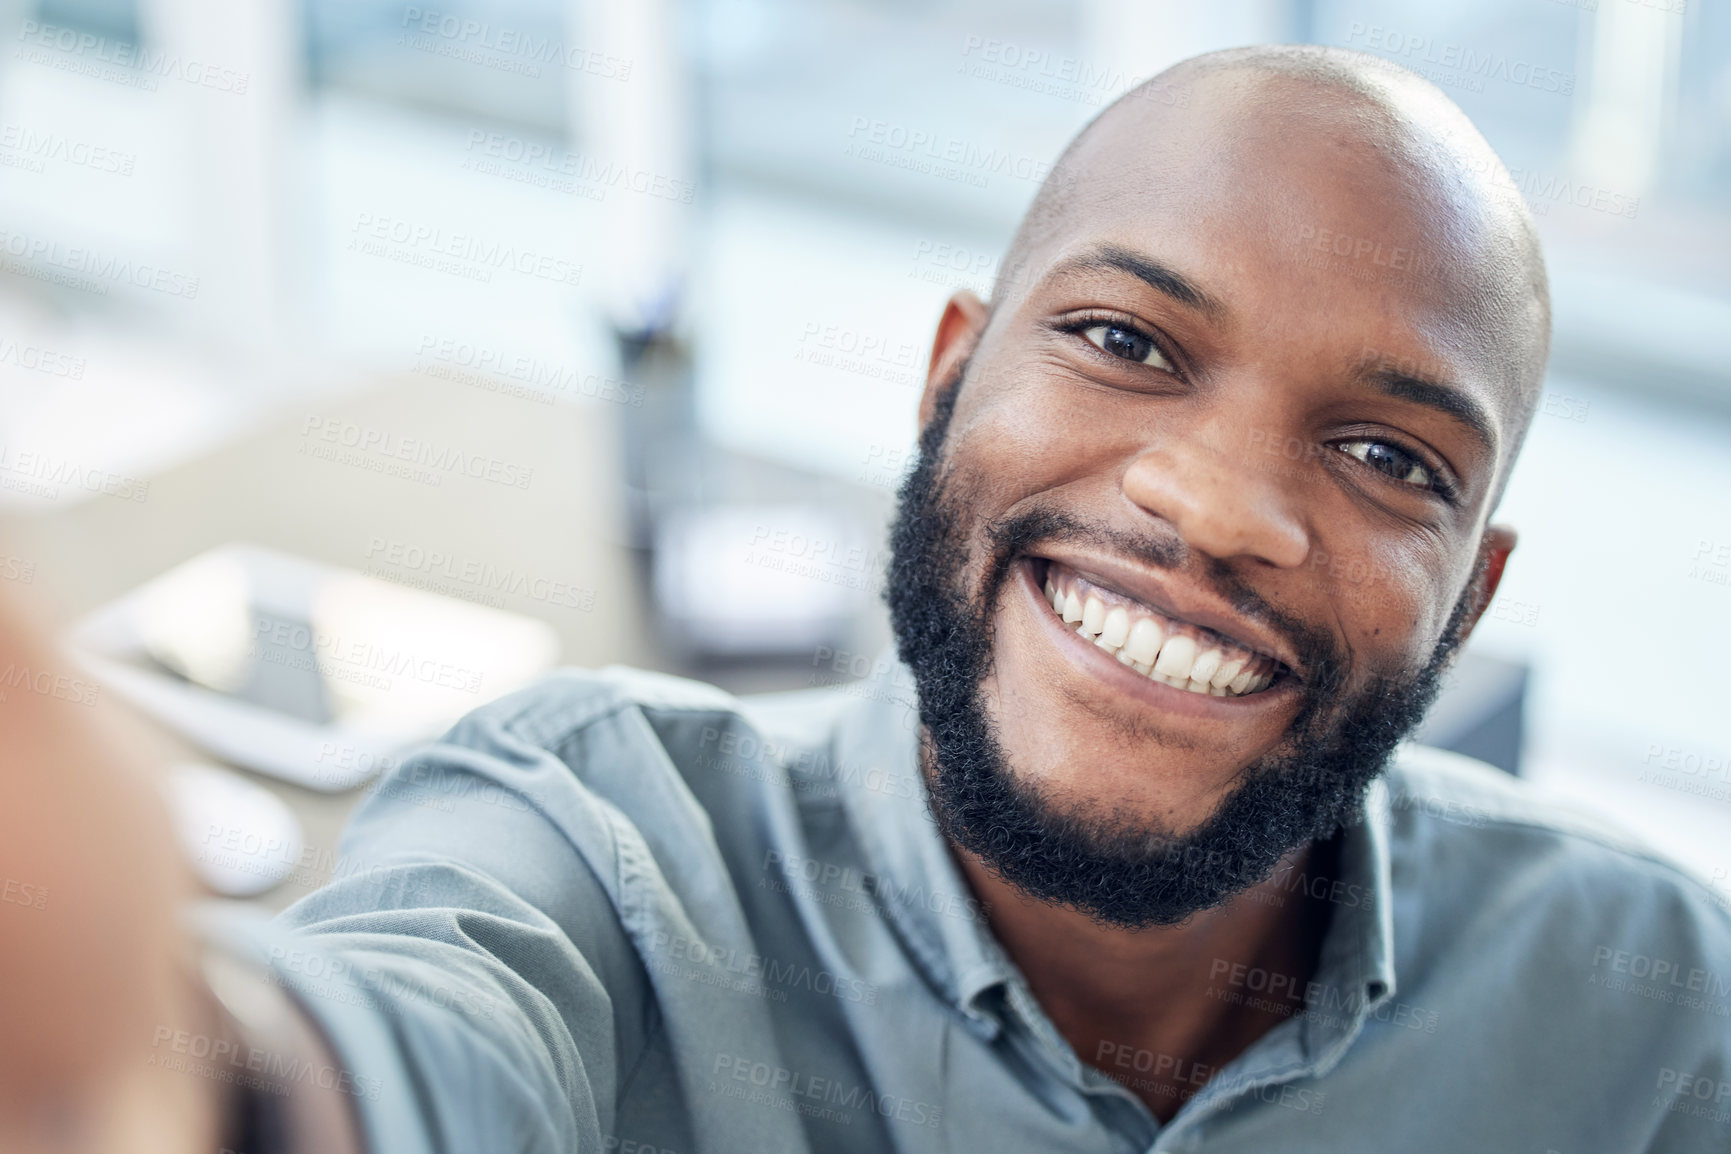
<point x="1341" y="158"/>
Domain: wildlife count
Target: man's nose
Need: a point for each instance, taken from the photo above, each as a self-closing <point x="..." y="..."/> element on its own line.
<point x="1219" y="501"/>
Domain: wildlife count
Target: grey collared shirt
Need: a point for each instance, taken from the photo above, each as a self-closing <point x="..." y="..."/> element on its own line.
<point x="625" y="912"/>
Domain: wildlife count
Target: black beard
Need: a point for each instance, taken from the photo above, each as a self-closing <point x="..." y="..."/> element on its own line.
<point x="1123" y="869"/>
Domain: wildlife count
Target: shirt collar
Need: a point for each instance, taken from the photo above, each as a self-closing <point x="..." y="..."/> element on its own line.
<point x="918" y="883"/>
<point x="1355" y="974"/>
<point x="929" y="903"/>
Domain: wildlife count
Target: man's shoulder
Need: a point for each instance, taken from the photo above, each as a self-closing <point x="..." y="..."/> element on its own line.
<point x="1448" y="790"/>
<point x="658" y="722"/>
<point x="573" y="698"/>
<point x="1465" y="826"/>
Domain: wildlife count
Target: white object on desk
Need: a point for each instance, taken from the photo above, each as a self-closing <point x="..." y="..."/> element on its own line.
<point x="240" y="838"/>
<point x="311" y="673"/>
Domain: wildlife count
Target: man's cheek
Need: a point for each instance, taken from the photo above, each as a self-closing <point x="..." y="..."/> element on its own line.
<point x="1030" y="431"/>
<point x="1391" y="601"/>
<point x="1357" y="576"/>
<point x="1396" y="627"/>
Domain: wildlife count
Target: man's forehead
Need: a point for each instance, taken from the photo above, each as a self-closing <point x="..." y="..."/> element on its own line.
<point x="1270" y="163"/>
<point x="1284" y="245"/>
<point x="1270" y="191"/>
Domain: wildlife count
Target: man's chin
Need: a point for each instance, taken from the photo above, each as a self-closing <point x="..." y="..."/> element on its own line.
<point x="1112" y="865"/>
<point x="1106" y="769"/>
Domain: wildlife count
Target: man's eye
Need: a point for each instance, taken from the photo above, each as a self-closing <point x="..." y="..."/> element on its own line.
<point x="1128" y="344"/>
<point x="1391" y="459"/>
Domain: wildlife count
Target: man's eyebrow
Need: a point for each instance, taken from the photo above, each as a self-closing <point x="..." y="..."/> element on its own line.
<point x="1159" y="277"/>
<point x="1444" y="398"/>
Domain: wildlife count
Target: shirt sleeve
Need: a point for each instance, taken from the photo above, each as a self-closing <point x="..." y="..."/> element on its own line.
<point x="466" y="963"/>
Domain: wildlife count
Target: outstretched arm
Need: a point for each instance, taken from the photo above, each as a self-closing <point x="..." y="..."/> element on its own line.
<point x="105" y="995"/>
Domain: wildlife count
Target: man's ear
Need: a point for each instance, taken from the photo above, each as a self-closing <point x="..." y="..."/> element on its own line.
<point x="959" y="331"/>
<point x="1494" y="550"/>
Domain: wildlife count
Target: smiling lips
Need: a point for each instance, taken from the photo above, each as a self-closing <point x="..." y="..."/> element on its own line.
<point x="1171" y="652"/>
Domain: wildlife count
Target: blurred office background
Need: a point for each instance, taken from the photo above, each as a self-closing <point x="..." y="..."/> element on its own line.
<point x="669" y="270"/>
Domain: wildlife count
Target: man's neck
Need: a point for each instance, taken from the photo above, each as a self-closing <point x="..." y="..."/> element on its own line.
<point x="1162" y="1009"/>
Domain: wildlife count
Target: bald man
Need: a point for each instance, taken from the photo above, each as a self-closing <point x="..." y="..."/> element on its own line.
<point x="1124" y="852"/>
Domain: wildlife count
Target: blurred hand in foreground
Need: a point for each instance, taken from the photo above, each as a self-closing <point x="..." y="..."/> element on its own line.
<point x="95" y="968"/>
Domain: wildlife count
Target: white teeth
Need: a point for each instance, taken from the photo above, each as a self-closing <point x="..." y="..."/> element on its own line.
<point x="1176" y="657"/>
<point x="1206" y="665"/>
<point x="1143" y="644"/>
<point x="1093" y="616"/>
<point x="1115" y="628"/>
<point x="1227" y="671"/>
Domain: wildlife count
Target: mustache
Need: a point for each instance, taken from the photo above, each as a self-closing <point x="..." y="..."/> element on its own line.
<point x="1326" y="665"/>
